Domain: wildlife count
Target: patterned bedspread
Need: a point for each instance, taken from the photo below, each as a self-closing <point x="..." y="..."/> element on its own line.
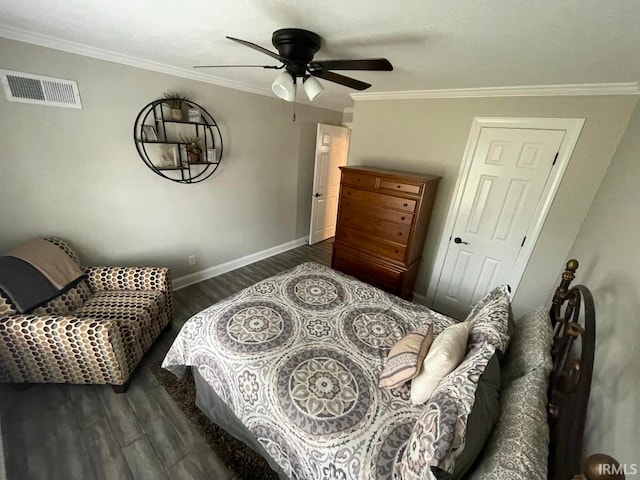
<point x="297" y="358"/>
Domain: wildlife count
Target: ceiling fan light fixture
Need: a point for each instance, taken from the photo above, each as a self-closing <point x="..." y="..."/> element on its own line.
<point x="313" y="88"/>
<point x="284" y="86"/>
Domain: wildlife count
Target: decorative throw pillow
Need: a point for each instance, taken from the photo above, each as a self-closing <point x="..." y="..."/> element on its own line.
<point x="405" y="359"/>
<point x="445" y="354"/>
<point x="480" y="422"/>
<point x="440" y="434"/>
<point x="518" y="446"/>
<point x="489" y="319"/>
<point x="531" y="346"/>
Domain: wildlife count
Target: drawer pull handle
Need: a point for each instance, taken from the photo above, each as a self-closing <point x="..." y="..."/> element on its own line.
<point x="405" y="204"/>
<point x="399" y="186"/>
<point x="399" y="234"/>
<point x="402" y="218"/>
<point x="395" y="250"/>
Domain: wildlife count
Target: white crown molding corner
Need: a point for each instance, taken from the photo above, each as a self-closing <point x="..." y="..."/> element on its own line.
<point x="586" y="89"/>
<point x="348" y="110"/>
<point x="79" y="49"/>
<point x="216" y="270"/>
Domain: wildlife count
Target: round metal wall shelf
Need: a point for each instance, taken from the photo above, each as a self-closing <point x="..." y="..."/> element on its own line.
<point x="162" y="142"/>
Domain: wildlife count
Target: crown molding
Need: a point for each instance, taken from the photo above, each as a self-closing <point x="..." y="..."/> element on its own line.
<point x="630" y="88"/>
<point x="109" y="56"/>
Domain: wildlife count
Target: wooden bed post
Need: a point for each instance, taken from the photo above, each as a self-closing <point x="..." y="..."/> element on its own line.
<point x="573" y="318"/>
<point x="600" y="466"/>
<point x="558" y="298"/>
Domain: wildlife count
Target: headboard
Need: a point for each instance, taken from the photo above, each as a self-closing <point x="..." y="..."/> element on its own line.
<point x="573" y="319"/>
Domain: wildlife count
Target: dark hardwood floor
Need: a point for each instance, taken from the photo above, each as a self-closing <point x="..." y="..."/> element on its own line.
<point x="70" y="432"/>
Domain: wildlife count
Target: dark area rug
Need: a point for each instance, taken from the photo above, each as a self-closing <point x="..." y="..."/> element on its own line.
<point x="235" y="454"/>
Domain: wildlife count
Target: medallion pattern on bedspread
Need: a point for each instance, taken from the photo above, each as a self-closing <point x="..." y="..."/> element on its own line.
<point x="315" y="292"/>
<point x="374" y="330"/>
<point x="297" y="358"/>
<point x="254" y="326"/>
<point x="323" y="391"/>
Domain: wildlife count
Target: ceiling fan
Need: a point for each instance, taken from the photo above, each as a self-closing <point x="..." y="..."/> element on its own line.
<point x="296" y="48"/>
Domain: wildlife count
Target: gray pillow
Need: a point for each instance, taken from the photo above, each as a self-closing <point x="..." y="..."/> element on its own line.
<point x="517" y="448"/>
<point x="530" y="347"/>
<point x="483" y="416"/>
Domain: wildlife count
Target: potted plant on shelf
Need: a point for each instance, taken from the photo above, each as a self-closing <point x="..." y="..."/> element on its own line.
<point x="176" y="102"/>
<point x="194" y="150"/>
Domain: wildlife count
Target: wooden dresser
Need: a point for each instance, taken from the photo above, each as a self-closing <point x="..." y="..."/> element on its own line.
<point x="383" y="217"/>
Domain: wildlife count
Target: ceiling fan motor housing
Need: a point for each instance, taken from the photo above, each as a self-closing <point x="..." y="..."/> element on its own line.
<point x="296" y="49"/>
<point x="297" y="45"/>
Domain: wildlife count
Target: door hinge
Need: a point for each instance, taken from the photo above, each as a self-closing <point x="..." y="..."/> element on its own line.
<point x="522" y="244"/>
<point x="555" y="159"/>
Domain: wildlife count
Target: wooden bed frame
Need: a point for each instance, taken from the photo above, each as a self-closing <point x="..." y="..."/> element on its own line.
<point x="574" y="321"/>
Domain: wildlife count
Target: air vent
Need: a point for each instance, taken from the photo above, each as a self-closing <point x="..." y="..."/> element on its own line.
<point x="41" y="90"/>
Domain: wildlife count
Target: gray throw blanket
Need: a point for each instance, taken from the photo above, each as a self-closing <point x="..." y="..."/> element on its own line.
<point x="51" y="260"/>
<point x="25" y="285"/>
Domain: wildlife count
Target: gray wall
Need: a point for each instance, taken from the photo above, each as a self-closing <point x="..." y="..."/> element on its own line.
<point x="429" y="136"/>
<point x="607" y="249"/>
<point x="76" y="173"/>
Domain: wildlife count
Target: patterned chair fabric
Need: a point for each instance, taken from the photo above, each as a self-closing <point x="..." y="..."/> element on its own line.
<point x="95" y="332"/>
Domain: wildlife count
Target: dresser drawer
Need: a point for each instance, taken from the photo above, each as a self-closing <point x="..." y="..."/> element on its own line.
<point x="359" y="180"/>
<point x="372" y="244"/>
<point x="365" y="269"/>
<point x="351" y="208"/>
<point x="378" y="228"/>
<point x="400" y="187"/>
<point x="381" y="199"/>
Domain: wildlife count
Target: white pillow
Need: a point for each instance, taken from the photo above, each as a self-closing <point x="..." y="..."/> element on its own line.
<point x="445" y="354"/>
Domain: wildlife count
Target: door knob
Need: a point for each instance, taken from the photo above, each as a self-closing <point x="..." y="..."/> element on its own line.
<point x="317" y="195"/>
<point x="459" y="240"/>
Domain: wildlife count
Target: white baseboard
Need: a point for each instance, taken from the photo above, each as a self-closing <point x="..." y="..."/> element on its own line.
<point x="216" y="270"/>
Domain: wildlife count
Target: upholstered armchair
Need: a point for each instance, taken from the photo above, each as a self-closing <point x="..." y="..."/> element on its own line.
<point x="96" y="332"/>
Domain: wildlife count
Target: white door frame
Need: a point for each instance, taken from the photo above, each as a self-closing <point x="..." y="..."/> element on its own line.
<point x="319" y="144"/>
<point x="572" y="128"/>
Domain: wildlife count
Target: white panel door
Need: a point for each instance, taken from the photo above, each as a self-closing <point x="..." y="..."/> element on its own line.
<point x="332" y="147"/>
<point x="508" y="175"/>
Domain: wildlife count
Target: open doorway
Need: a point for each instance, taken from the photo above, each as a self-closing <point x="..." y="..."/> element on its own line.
<point x="332" y="149"/>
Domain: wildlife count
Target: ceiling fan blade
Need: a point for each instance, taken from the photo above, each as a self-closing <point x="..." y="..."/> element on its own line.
<point x="260" y="49"/>
<point x="239" y="66"/>
<point x="375" y="64"/>
<point x="341" y="79"/>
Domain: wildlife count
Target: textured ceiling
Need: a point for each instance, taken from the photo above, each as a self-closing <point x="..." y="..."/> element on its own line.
<point x="432" y="44"/>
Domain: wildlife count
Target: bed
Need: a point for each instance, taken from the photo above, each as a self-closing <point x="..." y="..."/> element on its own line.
<point x="291" y="367"/>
